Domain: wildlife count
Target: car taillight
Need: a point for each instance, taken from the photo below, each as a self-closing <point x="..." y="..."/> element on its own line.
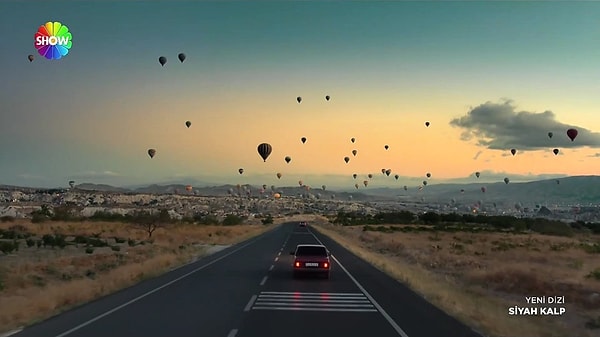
<point x="297" y="264"/>
<point x="325" y="265"/>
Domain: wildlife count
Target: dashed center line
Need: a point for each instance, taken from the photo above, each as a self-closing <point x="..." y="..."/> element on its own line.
<point x="250" y="303"/>
<point x="276" y="259"/>
<point x="232" y="333"/>
<point x="264" y="280"/>
<point x="271" y="268"/>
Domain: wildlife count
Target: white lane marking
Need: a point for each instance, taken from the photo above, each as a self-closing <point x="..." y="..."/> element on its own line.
<point x="315" y="309"/>
<point x="299" y="293"/>
<point x="324" y="298"/>
<point x="379" y="307"/>
<point x="250" y="303"/>
<point x="276" y="259"/>
<point x="279" y="254"/>
<point x="232" y="333"/>
<point x="309" y="300"/>
<point x="12" y="332"/>
<point x="68" y="332"/>
<point x="271" y="268"/>
<point x="264" y="280"/>
<point x="324" y="305"/>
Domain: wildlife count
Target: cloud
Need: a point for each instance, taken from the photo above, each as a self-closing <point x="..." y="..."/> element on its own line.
<point x="494" y="176"/>
<point x="499" y="126"/>
<point x="30" y="176"/>
<point x="595" y="155"/>
<point x="96" y="175"/>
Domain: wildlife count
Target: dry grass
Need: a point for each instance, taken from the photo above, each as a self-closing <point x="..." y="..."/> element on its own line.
<point x="477" y="277"/>
<point x="36" y="283"/>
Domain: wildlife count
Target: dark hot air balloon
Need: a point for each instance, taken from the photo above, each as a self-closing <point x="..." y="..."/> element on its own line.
<point x="279" y="175"/>
<point x="396" y="176"/>
<point x="370" y="175"/>
<point x="550" y="134"/>
<point x="388" y="172"/>
<point x="299" y="99"/>
<point x="352" y="139"/>
<point x="303" y="139"/>
<point x="162" y="60"/>
<point x="424" y="182"/>
<point x="264" y="150"/>
<point x="188" y="124"/>
<point x="483" y="189"/>
<point x="354" y="175"/>
<point x="241" y="170"/>
<point x="30" y="58"/>
<point x="555" y="151"/>
<point x="405" y="188"/>
<point x="72" y="183"/>
<point x="151" y="152"/>
<point x="354" y="152"/>
<point x="382" y="171"/>
<point x="327" y="98"/>
<point x="506" y="180"/>
<point x="288" y="159"/>
<point x="513" y="151"/>
<point x="386" y="147"/>
<point x="477" y="174"/>
<point x="428" y="175"/>
<point x="366" y="183"/>
<point x="346" y="159"/>
<point x="572" y="134"/>
<point x="427" y="124"/>
<point x="181" y="57"/>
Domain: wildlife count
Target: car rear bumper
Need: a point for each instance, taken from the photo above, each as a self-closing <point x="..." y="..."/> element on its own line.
<point x="311" y="270"/>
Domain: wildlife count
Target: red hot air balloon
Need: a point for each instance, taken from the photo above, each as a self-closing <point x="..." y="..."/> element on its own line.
<point x="572" y="134"/>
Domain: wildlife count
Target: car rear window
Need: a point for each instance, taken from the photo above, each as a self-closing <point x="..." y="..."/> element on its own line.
<point x="311" y="251"/>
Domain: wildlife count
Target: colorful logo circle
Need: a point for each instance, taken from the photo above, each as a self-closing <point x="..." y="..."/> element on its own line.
<point x="53" y="40"/>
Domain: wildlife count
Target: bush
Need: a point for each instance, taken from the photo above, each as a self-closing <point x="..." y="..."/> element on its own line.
<point x="119" y="240"/>
<point x="595" y="274"/>
<point x="30" y="242"/>
<point x="7" y="218"/>
<point x="7" y="247"/>
<point x="268" y="220"/>
<point x="130" y="242"/>
<point x="89" y="250"/>
<point x="232" y="220"/>
<point x="115" y="248"/>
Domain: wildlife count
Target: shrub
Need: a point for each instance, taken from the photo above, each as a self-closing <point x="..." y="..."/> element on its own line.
<point x="115" y="248"/>
<point x="130" y="242"/>
<point x="7" y="247"/>
<point x="268" y="220"/>
<point x="89" y="250"/>
<point x="119" y="240"/>
<point x="7" y="218"/>
<point x="30" y="242"/>
<point x="232" y="220"/>
<point x="595" y="274"/>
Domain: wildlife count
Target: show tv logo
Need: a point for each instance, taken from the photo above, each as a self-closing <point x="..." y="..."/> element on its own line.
<point x="53" y="40"/>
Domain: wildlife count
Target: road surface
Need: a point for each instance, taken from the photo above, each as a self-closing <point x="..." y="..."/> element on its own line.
<point x="247" y="290"/>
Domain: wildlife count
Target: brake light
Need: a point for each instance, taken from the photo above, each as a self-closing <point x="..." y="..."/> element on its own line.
<point x="326" y="265"/>
<point x="297" y="264"/>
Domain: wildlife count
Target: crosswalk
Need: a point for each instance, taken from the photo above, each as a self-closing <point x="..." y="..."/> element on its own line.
<point x="340" y="302"/>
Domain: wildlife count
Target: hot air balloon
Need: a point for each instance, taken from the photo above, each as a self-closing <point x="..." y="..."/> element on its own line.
<point x="370" y="175"/>
<point x="354" y="175"/>
<point x="264" y="150"/>
<point x="276" y="195"/>
<point x="388" y="172"/>
<point x="513" y="151"/>
<point x="383" y="171"/>
<point x="346" y="159"/>
<point x="323" y="187"/>
<point x="264" y="186"/>
<point x="483" y="189"/>
<point x="366" y="183"/>
<point x="396" y="176"/>
<point x="405" y="188"/>
<point x="557" y="181"/>
<point x="288" y="159"/>
<point x="188" y="188"/>
<point x="427" y="124"/>
<point x="241" y="170"/>
<point x="428" y="175"/>
<point x="151" y="152"/>
<point x="572" y="134"/>
<point x="462" y="190"/>
<point x="555" y="151"/>
<point x="72" y="183"/>
<point x="188" y="124"/>
<point x="181" y="57"/>
<point x="506" y="180"/>
<point x="300" y="182"/>
<point x="354" y="152"/>
<point x="477" y="174"/>
<point x="278" y="175"/>
<point x="327" y="98"/>
<point x="30" y="58"/>
<point x="386" y="147"/>
<point x="352" y="139"/>
<point x="424" y="182"/>
<point x="356" y="185"/>
<point x="550" y="134"/>
<point x="162" y="60"/>
<point x="299" y="99"/>
<point x="303" y="139"/>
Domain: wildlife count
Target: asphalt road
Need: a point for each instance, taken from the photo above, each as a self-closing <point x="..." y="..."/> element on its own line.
<point x="247" y="290"/>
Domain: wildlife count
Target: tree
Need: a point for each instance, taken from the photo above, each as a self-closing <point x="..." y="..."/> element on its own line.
<point x="151" y="222"/>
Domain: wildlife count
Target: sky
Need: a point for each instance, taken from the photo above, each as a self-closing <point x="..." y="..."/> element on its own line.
<point x="488" y="76"/>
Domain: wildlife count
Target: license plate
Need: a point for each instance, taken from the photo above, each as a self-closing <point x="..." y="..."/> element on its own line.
<point x="312" y="264"/>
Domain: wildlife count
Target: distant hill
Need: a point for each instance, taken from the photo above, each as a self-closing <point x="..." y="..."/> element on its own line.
<point x="577" y="189"/>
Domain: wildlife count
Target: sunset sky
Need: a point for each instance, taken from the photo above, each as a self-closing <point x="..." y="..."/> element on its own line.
<point x="488" y="76"/>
